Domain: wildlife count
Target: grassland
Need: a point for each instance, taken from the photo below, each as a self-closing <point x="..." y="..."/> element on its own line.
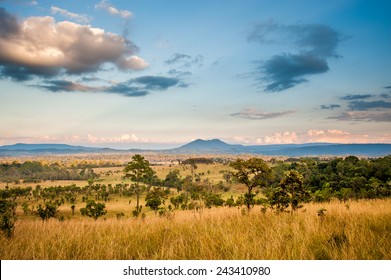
<point x="354" y="230"/>
<point x="360" y="231"/>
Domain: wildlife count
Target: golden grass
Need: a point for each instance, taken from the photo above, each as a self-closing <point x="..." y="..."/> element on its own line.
<point x="361" y="232"/>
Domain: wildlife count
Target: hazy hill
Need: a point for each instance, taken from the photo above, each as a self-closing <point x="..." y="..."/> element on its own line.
<point x="200" y="146"/>
<point x="37" y="149"/>
<point x="214" y="146"/>
<point x="309" y="149"/>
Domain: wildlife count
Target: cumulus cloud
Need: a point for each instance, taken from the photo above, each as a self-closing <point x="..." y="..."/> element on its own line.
<point x="124" y="138"/>
<point x="279" y="138"/>
<point x="39" y="46"/>
<point x="72" y="16"/>
<point x="319" y="136"/>
<point x="315" y="43"/>
<point x="253" y="114"/>
<point x="140" y="86"/>
<point x="105" y="5"/>
<point x="329" y="107"/>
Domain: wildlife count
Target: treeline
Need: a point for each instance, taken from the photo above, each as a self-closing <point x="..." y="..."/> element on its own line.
<point x="34" y="172"/>
<point x="341" y="178"/>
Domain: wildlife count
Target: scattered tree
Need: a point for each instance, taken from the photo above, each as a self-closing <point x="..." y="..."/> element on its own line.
<point x="252" y="173"/>
<point x="156" y="197"/>
<point x="93" y="209"/>
<point x="7" y="216"/>
<point x="139" y="171"/>
<point x="49" y="210"/>
<point x="289" y="192"/>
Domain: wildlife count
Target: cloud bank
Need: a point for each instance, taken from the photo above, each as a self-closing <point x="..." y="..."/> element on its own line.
<point x="319" y="136"/>
<point x="316" y="43"/>
<point x="39" y="46"/>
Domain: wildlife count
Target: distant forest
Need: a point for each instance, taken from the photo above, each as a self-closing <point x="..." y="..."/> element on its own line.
<point x="342" y="178"/>
<point x="34" y="172"/>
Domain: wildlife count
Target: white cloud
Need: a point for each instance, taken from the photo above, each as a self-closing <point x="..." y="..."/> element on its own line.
<point x="124" y="138"/>
<point x="133" y="62"/>
<point x="41" y="46"/>
<point x="279" y="138"/>
<point x="105" y="5"/>
<point x="73" y="16"/>
<point x="316" y="136"/>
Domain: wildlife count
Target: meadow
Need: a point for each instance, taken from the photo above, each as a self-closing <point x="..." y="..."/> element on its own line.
<point x="335" y="229"/>
<point x="360" y="231"/>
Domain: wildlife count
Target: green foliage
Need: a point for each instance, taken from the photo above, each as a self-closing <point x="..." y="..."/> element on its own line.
<point x="230" y="202"/>
<point x="93" y="209"/>
<point x="49" y="210"/>
<point x="7" y="216"/>
<point x="25" y="207"/>
<point x="136" y="212"/>
<point x="289" y="192"/>
<point x="34" y="171"/>
<point x="139" y="171"/>
<point x="253" y="172"/>
<point x="156" y="197"/>
<point x="173" y="180"/>
<point x="180" y="200"/>
<point x="212" y="199"/>
<point x="193" y="161"/>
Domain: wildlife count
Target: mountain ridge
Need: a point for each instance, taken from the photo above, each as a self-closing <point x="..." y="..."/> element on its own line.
<point x="213" y="146"/>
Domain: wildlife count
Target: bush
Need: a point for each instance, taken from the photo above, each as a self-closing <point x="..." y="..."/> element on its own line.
<point x="48" y="211"/>
<point x="7" y="217"/>
<point x="93" y="209"/>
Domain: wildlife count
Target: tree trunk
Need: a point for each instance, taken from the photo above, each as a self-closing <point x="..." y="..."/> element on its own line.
<point x="138" y="198"/>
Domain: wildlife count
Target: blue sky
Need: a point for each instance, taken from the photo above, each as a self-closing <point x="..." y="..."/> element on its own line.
<point x="157" y="74"/>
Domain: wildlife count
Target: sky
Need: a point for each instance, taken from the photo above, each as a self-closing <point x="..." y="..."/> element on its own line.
<point x="159" y="74"/>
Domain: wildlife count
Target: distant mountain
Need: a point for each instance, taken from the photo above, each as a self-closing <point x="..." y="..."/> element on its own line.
<point x="217" y="146"/>
<point x="214" y="146"/>
<point x="200" y="146"/>
<point x="39" y="149"/>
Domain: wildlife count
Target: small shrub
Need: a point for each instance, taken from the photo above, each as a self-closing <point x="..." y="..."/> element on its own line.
<point x="120" y="215"/>
<point x="7" y="217"/>
<point x="48" y="211"/>
<point x="321" y="212"/>
<point x="93" y="209"/>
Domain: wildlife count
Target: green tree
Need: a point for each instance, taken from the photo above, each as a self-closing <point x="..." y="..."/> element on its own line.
<point x="173" y="180"/>
<point x="289" y="192"/>
<point x="139" y="171"/>
<point x="93" y="210"/>
<point x="253" y="173"/>
<point x="48" y="211"/>
<point x="7" y="217"/>
<point x="156" y="197"/>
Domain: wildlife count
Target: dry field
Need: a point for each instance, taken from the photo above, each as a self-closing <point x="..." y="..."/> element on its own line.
<point x="361" y="230"/>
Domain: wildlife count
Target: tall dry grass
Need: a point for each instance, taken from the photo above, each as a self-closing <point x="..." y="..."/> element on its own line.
<point x="360" y="231"/>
